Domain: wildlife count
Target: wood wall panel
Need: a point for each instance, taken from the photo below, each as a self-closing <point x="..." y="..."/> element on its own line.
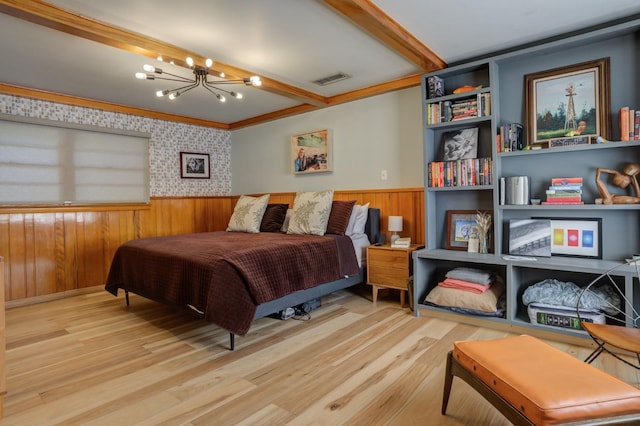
<point x="50" y="253"/>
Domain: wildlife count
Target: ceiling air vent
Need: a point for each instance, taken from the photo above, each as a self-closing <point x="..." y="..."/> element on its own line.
<point x="331" y="79"/>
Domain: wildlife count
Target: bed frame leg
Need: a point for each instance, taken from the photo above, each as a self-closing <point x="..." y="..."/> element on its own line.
<point x="126" y="297"/>
<point x="232" y="341"/>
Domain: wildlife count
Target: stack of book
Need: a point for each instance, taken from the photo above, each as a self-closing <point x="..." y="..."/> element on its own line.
<point x="464" y="108"/>
<point x="629" y="121"/>
<point x="565" y="191"/>
<point x="469" y="107"/>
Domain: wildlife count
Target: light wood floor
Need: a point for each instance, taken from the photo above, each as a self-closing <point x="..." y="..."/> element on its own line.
<point x="90" y="360"/>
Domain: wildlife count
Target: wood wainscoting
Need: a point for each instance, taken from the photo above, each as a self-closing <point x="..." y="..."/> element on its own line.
<point x="53" y="251"/>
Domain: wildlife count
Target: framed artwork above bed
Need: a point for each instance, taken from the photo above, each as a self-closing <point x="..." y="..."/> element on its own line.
<point x="194" y="166"/>
<point x="311" y="152"/>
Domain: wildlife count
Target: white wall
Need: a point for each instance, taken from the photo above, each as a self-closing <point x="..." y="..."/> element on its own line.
<point x="379" y="133"/>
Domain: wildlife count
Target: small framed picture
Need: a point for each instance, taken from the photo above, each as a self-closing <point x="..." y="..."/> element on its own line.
<point x="530" y="237"/>
<point x="576" y="237"/>
<point x="194" y="165"/>
<point x="462" y="224"/>
<point x="460" y="144"/>
<point x="311" y="152"/>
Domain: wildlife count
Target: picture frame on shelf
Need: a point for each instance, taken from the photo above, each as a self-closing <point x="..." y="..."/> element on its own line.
<point x="194" y="165"/>
<point x="311" y="152"/>
<point x="576" y="237"/>
<point x="462" y="224"/>
<point x="460" y="144"/>
<point x="530" y="237"/>
<point x="568" y="101"/>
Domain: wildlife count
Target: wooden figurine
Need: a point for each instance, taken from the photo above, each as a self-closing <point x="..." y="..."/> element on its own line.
<point x="622" y="180"/>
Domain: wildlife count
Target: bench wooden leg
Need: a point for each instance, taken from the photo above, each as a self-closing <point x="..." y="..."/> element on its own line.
<point x="454" y="368"/>
<point x="448" y="381"/>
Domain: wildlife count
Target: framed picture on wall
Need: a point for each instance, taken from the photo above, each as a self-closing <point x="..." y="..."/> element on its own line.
<point x="194" y="165"/>
<point x="311" y="152"/>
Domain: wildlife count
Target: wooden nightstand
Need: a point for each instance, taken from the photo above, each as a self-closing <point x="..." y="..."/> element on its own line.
<point x="389" y="267"/>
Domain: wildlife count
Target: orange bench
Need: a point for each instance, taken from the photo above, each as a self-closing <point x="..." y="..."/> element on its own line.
<point x="533" y="383"/>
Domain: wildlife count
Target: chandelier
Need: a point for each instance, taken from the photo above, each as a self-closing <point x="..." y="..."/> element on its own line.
<point x="200" y="78"/>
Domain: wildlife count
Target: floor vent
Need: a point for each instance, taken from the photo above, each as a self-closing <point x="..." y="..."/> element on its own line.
<point x="331" y="79"/>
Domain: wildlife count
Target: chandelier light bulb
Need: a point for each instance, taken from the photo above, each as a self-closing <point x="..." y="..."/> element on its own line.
<point x="209" y="62"/>
<point x="255" y="80"/>
<point x="161" y="93"/>
<point x="221" y="98"/>
<point x="141" y="76"/>
<point x="159" y="58"/>
<point x="222" y="75"/>
<point x="149" y="68"/>
<point x="236" y="95"/>
<point x="190" y="61"/>
<point x="174" y="95"/>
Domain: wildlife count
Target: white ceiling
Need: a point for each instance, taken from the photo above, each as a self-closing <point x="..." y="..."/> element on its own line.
<point x="291" y="42"/>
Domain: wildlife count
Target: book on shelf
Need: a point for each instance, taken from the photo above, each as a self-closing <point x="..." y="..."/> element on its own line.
<point x="623" y="123"/>
<point x="568" y="187"/>
<point x="566" y="181"/>
<point x="563" y="193"/>
<point x="464" y="172"/>
<point x="460" y="109"/>
<point x="629" y="123"/>
<point x="403" y="242"/>
<point x="511" y="137"/>
<point x="562" y="202"/>
<point x="436" y="86"/>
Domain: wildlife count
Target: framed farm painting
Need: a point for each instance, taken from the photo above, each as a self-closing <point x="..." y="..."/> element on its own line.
<point x="567" y="102"/>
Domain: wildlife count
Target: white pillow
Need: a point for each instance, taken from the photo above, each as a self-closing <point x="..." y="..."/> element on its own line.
<point x="247" y="214"/>
<point x="287" y="219"/>
<point x="358" y="219"/>
<point x="310" y="213"/>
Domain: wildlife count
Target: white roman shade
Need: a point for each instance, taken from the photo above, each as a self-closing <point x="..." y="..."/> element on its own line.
<point x="45" y="162"/>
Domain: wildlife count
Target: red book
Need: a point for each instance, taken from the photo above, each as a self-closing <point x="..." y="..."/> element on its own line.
<point x="565" y="181"/>
<point x="562" y="202"/>
<point x="623" y="119"/>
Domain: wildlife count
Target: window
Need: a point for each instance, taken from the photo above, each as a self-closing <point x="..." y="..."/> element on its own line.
<point x="47" y="162"/>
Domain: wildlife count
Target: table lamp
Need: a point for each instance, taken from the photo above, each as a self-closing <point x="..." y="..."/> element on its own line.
<point x="395" y="226"/>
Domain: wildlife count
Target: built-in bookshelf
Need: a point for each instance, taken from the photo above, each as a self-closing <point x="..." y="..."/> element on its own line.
<point x="499" y="80"/>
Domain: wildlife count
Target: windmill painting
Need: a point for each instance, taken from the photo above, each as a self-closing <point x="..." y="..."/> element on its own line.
<point x="568" y="102"/>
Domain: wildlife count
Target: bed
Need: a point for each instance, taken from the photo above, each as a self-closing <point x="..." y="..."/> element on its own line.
<point x="233" y="278"/>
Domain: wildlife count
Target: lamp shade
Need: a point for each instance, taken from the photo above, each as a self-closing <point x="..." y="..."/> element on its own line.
<point x="395" y="223"/>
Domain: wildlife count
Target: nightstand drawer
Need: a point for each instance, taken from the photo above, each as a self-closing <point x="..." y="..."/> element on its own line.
<point x="388" y="277"/>
<point x="390" y="258"/>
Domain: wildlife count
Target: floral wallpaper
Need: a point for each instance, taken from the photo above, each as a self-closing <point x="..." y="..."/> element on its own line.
<point x="167" y="140"/>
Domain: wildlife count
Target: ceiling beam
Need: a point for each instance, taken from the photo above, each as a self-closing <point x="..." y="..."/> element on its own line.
<point x="362" y="12"/>
<point x="365" y="92"/>
<point x="378" y="24"/>
<point x="51" y="16"/>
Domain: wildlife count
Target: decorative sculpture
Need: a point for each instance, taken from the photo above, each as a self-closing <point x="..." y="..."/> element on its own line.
<point x="622" y="180"/>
